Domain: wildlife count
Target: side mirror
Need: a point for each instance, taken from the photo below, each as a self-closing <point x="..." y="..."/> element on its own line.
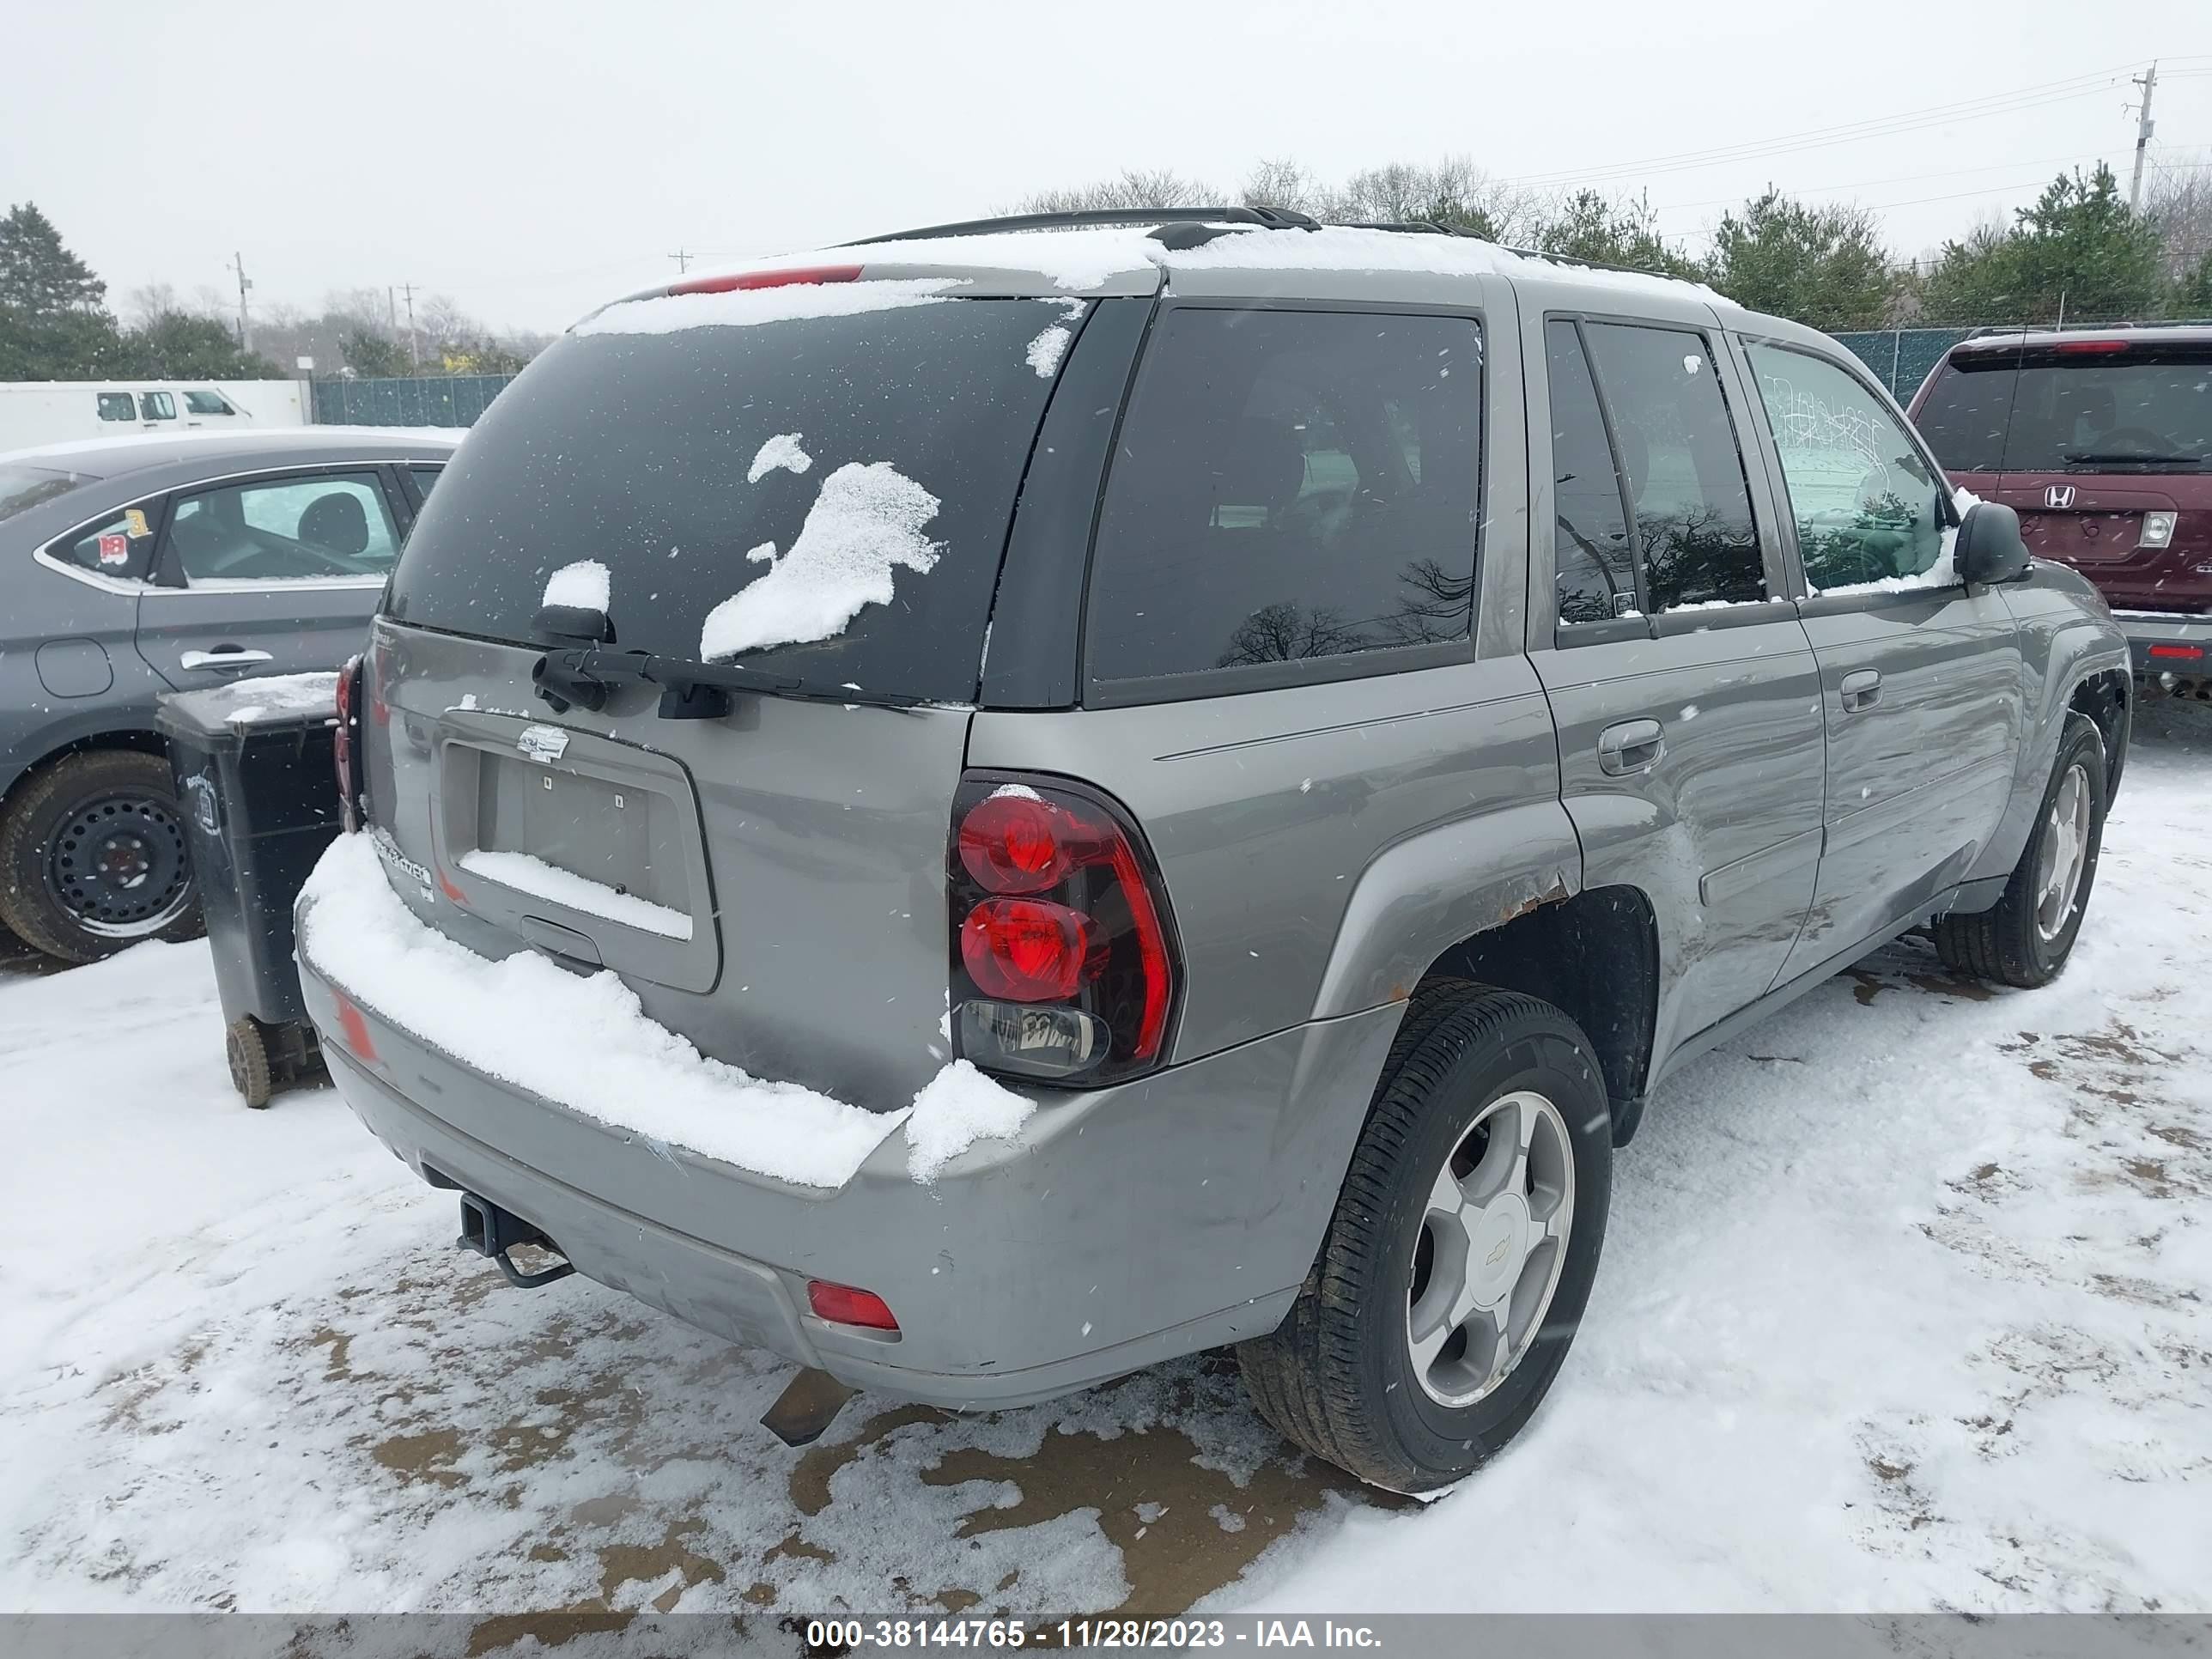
<point x="1990" y="548"/>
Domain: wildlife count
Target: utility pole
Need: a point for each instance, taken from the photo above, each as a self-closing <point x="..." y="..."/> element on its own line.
<point x="414" y="344"/>
<point x="682" y="258"/>
<point x="245" y="322"/>
<point x="2148" y="81"/>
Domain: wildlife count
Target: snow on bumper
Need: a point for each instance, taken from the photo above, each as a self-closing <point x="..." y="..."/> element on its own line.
<point x="1106" y="1231"/>
<point x="586" y="1044"/>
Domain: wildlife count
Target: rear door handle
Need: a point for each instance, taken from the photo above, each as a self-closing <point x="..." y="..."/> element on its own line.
<point x="1861" y="689"/>
<point x="1630" y="746"/>
<point x="223" y="659"/>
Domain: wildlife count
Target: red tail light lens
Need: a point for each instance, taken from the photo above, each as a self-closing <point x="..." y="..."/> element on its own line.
<point x="345" y="746"/>
<point x="2185" y="652"/>
<point x="841" y="1304"/>
<point x="1017" y="842"/>
<point x="797" y="277"/>
<point x="1028" y="949"/>
<point x="1064" y="961"/>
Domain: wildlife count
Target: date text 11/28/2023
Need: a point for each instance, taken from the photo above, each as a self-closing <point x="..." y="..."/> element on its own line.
<point x="854" y="1635"/>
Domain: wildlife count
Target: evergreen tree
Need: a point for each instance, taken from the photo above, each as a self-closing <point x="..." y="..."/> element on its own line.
<point x="2192" y="296"/>
<point x="1586" y="226"/>
<point x="177" y="347"/>
<point x="2080" y="250"/>
<point x="54" y="322"/>
<point x="1824" y="266"/>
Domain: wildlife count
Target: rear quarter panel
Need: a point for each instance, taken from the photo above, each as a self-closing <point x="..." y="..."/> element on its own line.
<point x="1320" y="845"/>
<point x="68" y="669"/>
<point x="2066" y="637"/>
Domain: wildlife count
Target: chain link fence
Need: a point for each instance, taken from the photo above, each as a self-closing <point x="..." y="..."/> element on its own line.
<point x="421" y="400"/>
<point x="1899" y="358"/>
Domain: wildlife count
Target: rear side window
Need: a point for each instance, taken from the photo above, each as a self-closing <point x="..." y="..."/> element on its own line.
<point x="2086" y="405"/>
<point x="1594" y="567"/>
<point x="117" y="406"/>
<point x="22" y="487"/>
<point x="779" y="459"/>
<point x="157" y="405"/>
<point x="122" y="548"/>
<point x="1695" y="540"/>
<point x="282" y="530"/>
<point x="1289" y="485"/>
<point x="1866" y="504"/>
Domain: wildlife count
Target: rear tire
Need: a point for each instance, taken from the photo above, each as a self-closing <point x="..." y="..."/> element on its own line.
<point x="92" y="857"/>
<point x="247" y="1050"/>
<point x="2025" y="939"/>
<point x="1370" y="1369"/>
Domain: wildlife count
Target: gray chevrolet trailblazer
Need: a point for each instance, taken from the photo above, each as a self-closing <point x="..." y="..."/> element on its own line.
<point x="1328" y="718"/>
<point x="136" y="566"/>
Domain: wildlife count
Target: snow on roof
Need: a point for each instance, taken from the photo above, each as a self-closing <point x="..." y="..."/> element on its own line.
<point x="1093" y="257"/>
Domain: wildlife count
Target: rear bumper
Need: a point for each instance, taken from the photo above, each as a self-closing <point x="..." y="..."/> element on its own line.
<point x="2161" y="644"/>
<point x="1121" y="1228"/>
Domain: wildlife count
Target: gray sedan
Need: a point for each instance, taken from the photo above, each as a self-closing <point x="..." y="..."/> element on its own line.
<point x="143" y="565"/>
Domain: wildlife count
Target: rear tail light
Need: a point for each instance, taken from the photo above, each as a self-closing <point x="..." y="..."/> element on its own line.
<point x="841" y="1304"/>
<point x="347" y="748"/>
<point x="2179" y="652"/>
<point x="795" y="277"/>
<point x="1064" y="961"/>
<point x="2157" y="529"/>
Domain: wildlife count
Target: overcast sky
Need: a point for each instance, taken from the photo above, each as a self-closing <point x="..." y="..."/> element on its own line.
<point x="531" y="161"/>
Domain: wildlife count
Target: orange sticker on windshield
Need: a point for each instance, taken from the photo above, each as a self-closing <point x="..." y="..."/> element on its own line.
<point x="133" y="523"/>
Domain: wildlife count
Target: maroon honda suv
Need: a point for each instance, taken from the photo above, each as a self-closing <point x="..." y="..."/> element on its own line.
<point x="2102" y="441"/>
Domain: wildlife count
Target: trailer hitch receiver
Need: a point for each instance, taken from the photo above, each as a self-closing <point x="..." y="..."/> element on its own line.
<point x="489" y="1231"/>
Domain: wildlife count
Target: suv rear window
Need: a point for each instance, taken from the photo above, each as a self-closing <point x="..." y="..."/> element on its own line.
<point x="687" y="463"/>
<point x="1289" y="485"/>
<point x="2075" y="408"/>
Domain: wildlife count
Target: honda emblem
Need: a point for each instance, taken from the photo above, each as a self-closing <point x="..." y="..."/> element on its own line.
<point x="2058" y="496"/>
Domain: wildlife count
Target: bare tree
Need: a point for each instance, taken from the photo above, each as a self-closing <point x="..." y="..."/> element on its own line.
<point x="2180" y="202"/>
<point x="144" y="304"/>
<point x="1136" y="187"/>
<point x="1282" y="184"/>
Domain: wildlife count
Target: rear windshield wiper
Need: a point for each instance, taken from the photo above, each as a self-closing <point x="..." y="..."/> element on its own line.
<point x="583" y="676"/>
<point x="2136" y="456"/>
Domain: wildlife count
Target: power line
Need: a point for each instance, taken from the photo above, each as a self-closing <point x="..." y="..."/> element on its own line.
<point x="2004" y="103"/>
<point x="1896" y="178"/>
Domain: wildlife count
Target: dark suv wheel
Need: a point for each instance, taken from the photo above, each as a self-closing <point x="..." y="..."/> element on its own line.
<point x="92" y="857"/>
<point x="2025" y="939"/>
<point x="1462" y="1248"/>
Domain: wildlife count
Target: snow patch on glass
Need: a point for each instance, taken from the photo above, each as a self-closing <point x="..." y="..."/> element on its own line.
<point x="866" y="522"/>
<point x="586" y="585"/>
<point x="781" y="451"/>
<point x="1047" y="349"/>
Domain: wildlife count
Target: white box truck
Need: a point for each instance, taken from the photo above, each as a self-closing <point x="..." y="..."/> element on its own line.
<point x="34" y="412"/>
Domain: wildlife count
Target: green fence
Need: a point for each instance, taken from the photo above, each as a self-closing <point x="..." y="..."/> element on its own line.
<point x="1901" y="357"/>
<point x="424" y="400"/>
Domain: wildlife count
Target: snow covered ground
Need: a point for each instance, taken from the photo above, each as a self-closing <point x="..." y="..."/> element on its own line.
<point x="1904" y="1305"/>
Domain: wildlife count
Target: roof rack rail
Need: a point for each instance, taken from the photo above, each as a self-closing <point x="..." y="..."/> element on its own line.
<point x="1407" y="227"/>
<point x="1591" y="264"/>
<point x="2057" y="328"/>
<point x="1261" y="218"/>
